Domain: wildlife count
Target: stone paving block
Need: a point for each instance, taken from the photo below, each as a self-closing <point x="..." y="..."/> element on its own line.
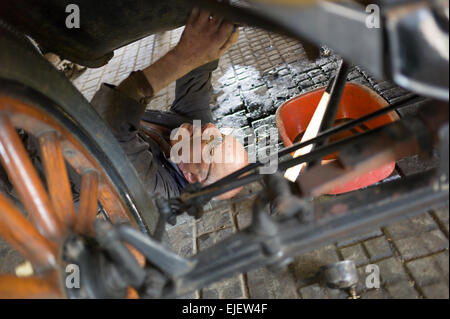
<point x="436" y="291"/>
<point x="214" y="205"/>
<point x="235" y="120"/>
<point x="353" y="75"/>
<point x="306" y="267"/>
<point x="233" y="291"/>
<point x="251" y="83"/>
<point x="415" y="164"/>
<point x="315" y="72"/>
<point x="411" y="227"/>
<point x="337" y="294"/>
<point x="394" y="93"/>
<point x="411" y="109"/>
<point x="182" y="239"/>
<point x="430" y="270"/>
<point x="184" y="218"/>
<point x="402" y="290"/>
<point x="231" y="288"/>
<point x="378" y="248"/>
<point x="442" y="216"/>
<point x="245" y="135"/>
<point x="424" y="244"/>
<point x="392" y="271"/>
<point x="258" y="103"/>
<point x="318" y="291"/>
<point x="330" y="67"/>
<point x="442" y="261"/>
<point x="207" y="240"/>
<point x="214" y="221"/>
<point x="361" y="285"/>
<point x="374" y="294"/>
<point x="305" y="85"/>
<point x="383" y="86"/>
<point x="313" y="292"/>
<point x="228" y="88"/>
<point x="361" y="80"/>
<point x="210" y="293"/>
<point x="320" y="79"/>
<point x="281" y="95"/>
<point x="263" y="284"/>
<point x="264" y="153"/>
<point x="233" y="102"/>
<point x="395" y="279"/>
<point x="243" y="212"/>
<point x="365" y="236"/>
<point x="355" y="253"/>
<point x="279" y="78"/>
<point x="267" y="122"/>
<point x="262" y="133"/>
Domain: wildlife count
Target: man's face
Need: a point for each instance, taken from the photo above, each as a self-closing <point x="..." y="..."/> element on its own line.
<point x="204" y="155"/>
<point x="195" y="142"/>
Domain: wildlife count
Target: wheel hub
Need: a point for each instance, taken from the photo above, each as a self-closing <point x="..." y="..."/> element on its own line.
<point x="88" y="272"/>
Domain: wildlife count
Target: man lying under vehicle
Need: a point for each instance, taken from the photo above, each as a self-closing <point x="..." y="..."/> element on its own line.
<point x="162" y="145"/>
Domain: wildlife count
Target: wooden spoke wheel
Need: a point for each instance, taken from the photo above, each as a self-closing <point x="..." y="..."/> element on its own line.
<point x="37" y="220"/>
<point x="49" y="204"/>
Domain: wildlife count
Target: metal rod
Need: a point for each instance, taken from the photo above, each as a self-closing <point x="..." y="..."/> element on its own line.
<point x="336" y="92"/>
<point x="311" y="131"/>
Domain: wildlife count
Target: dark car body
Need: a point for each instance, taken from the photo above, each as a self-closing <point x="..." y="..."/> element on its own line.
<point x="105" y="25"/>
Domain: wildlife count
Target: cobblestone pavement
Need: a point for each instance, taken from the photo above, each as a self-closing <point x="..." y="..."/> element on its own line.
<point x="254" y="77"/>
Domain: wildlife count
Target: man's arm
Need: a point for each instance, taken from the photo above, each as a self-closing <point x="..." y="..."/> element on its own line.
<point x="122" y="107"/>
<point x="204" y="40"/>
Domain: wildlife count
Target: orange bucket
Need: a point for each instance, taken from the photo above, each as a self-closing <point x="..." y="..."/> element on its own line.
<point x="293" y="117"/>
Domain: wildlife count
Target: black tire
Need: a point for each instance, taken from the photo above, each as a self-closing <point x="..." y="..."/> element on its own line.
<point x="25" y="74"/>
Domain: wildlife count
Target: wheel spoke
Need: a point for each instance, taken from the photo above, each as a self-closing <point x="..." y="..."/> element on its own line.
<point x="57" y="178"/>
<point x="26" y="181"/>
<point x="12" y="287"/>
<point x="87" y="211"/>
<point x="19" y="232"/>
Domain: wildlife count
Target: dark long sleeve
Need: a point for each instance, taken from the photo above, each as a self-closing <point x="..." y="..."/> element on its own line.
<point x="123" y="115"/>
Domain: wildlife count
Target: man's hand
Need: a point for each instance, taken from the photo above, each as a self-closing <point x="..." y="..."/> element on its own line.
<point x="205" y="38"/>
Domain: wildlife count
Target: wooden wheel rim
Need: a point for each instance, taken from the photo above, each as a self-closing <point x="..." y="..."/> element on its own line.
<point x="22" y="115"/>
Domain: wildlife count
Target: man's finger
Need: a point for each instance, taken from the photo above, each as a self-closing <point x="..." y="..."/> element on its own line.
<point x="225" y="31"/>
<point x="231" y="40"/>
<point x="217" y="21"/>
<point x="203" y="17"/>
<point x="193" y="17"/>
<point x="226" y="34"/>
